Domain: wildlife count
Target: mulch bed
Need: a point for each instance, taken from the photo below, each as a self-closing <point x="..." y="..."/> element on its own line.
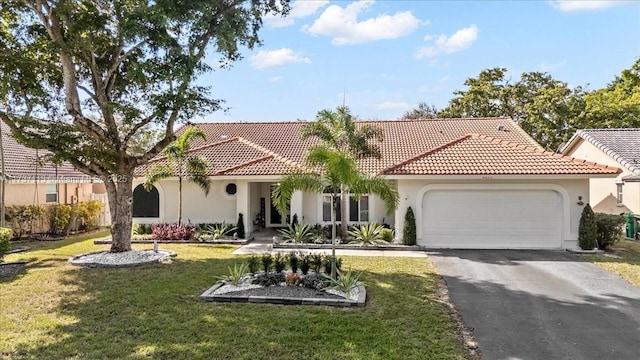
<point x="11" y="269"/>
<point x="286" y="291"/>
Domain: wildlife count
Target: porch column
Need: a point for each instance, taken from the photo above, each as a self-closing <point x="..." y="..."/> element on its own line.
<point x="400" y="212"/>
<point x="296" y="205"/>
<point x="243" y="205"/>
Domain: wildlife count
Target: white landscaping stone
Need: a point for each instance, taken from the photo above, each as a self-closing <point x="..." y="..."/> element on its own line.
<point x="126" y="258"/>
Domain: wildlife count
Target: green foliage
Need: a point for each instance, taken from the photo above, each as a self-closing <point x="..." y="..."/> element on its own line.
<point x="388" y="235"/>
<point x="5" y="245"/>
<point x="279" y="262"/>
<point x="267" y="262"/>
<point x="368" y="234"/>
<point x="86" y="213"/>
<point x="316" y="263"/>
<point x="253" y="263"/>
<point x="345" y="281"/>
<point x="422" y="111"/>
<point x="610" y="229"/>
<point x="22" y="219"/>
<point x="58" y="217"/>
<point x="240" y="226"/>
<point x="236" y="274"/>
<point x="298" y="233"/>
<point x="269" y="279"/>
<point x="305" y="264"/>
<point x="142" y="229"/>
<point x="326" y="262"/>
<point x="587" y="230"/>
<point x="219" y="231"/>
<point x="409" y="230"/>
<point x="294" y="261"/>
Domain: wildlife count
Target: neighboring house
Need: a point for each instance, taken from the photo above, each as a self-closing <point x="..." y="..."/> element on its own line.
<point x="472" y="183"/>
<point x="33" y="180"/>
<point x="614" y="147"/>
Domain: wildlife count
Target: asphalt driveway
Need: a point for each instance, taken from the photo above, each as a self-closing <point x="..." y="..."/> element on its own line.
<point x="542" y="305"/>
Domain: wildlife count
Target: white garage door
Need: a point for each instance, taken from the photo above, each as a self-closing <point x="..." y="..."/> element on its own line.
<point x="492" y="219"/>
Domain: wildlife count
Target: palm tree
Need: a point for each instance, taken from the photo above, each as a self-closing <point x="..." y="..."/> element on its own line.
<point x="338" y="131"/>
<point x="337" y="170"/>
<point x="183" y="165"/>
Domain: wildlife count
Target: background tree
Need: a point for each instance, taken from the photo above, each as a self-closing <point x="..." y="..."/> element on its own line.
<point x="338" y="130"/>
<point x="180" y="163"/>
<point x="103" y="72"/>
<point x="337" y="170"/>
<point x="422" y="111"/>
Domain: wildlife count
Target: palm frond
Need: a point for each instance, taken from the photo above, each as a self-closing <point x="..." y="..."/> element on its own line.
<point x="297" y="181"/>
<point x="369" y="184"/>
<point x="155" y="174"/>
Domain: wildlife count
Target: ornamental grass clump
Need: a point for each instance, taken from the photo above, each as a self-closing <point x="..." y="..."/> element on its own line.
<point x="345" y="281"/>
<point x="236" y="275"/>
<point x="369" y="234"/>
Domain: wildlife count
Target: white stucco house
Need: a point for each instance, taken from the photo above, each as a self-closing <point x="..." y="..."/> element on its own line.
<point x="472" y="183"/>
<point x="613" y="147"/>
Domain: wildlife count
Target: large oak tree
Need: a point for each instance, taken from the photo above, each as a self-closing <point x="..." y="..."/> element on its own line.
<point x="86" y="79"/>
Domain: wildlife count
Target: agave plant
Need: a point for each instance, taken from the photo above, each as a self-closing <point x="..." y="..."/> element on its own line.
<point x="219" y="230"/>
<point x="369" y="234"/>
<point x="236" y="274"/>
<point x="297" y="233"/>
<point x="345" y="282"/>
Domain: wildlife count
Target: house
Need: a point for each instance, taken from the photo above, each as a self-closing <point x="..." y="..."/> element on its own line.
<point x="613" y="147"/>
<point x="472" y="183"/>
<point x="31" y="179"/>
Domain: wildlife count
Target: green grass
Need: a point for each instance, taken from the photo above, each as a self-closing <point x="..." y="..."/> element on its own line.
<point x="53" y="310"/>
<point x="626" y="266"/>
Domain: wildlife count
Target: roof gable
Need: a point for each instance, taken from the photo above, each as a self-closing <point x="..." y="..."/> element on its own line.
<point x="622" y="145"/>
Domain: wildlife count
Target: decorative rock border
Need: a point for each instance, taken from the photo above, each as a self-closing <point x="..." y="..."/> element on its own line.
<point x="161" y="254"/>
<point x="107" y="241"/>
<point x="229" y="297"/>
<point x="580" y="251"/>
<point x="390" y="247"/>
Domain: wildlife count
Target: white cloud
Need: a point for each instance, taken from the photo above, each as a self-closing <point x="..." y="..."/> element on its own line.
<point x="390" y="105"/>
<point x="550" y="67"/>
<point x="275" y="79"/>
<point x="342" y="24"/>
<point x="460" y="40"/>
<point x="583" y="5"/>
<point x="266" y="59"/>
<point x="299" y="9"/>
<point x="444" y="79"/>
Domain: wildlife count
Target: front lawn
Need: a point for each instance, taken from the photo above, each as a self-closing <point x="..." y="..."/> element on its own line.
<point x="626" y="264"/>
<point x="53" y="310"/>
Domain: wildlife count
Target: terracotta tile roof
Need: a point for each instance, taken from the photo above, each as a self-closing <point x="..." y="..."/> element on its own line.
<point x="21" y="163"/>
<point x="623" y="145"/>
<point x="475" y="154"/>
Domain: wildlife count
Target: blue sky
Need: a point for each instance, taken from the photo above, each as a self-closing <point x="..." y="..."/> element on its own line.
<point x="390" y="55"/>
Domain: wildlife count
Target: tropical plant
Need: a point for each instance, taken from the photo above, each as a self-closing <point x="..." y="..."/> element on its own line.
<point x="305" y="264"/>
<point x="292" y="279"/>
<point x="587" y="230"/>
<point x="409" y="232"/>
<point x="106" y="73"/>
<point x="253" y="263"/>
<point x="298" y="233"/>
<point x="267" y="262"/>
<point x="345" y="282"/>
<point x="338" y="130"/>
<point x="172" y="231"/>
<point x="5" y="245"/>
<point x="218" y="231"/>
<point x="240" y="226"/>
<point x="368" y="234"/>
<point x="236" y="274"/>
<point x="337" y="170"/>
<point x="328" y="264"/>
<point x="183" y="164"/>
<point x="269" y="279"/>
<point x="388" y="235"/>
<point x="279" y="262"/>
<point x="294" y="261"/>
<point x="316" y="263"/>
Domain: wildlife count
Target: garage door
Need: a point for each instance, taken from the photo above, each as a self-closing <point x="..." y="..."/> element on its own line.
<point x="492" y="219"/>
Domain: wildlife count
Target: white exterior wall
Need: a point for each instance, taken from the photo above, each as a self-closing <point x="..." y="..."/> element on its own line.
<point x="603" y="192"/>
<point x="412" y="192"/>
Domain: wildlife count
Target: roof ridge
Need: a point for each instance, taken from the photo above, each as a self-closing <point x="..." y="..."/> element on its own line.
<point x="531" y="149"/>
<point x="241" y="165"/>
<point x="269" y="152"/>
<point x="299" y="121"/>
<point x="198" y="148"/>
<point x="607" y="150"/>
<point x="426" y="153"/>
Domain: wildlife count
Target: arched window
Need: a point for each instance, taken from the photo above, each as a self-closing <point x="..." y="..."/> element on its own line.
<point x="146" y="204"/>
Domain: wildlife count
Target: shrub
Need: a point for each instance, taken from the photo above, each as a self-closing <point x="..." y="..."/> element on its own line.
<point x="609" y="228"/>
<point x="235" y="276"/>
<point x="137" y="229"/>
<point x="299" y="233"/>
<point x="326" y="262"/>
<point x="240" y="226"/>
<point x="5" y="245"/>
<point x="267" y="262"/>
<point x="292" y="279"/>
<point x="58" y="217"/>
<point x="22" y="217"/>
<point x="388" y="234"/>
<point x="293" y="262"/>
<point x="253" y="263"/>
<point x="409" y="231"/>
<point x="219" y="231"/>
<point x="345" y="281"/>
<point x="269" y="279"/>
<point x="279" y="262"/>
<point x="294" y="220"/>
<point x="316" y="263"/>
<point x="587" y="230"/>
<point x="174" y="231"/>
<point x="314" y="281"/>
<point x="305" y="264"/>
<point x="86" y="214"/>
<point x="369" y="234"/>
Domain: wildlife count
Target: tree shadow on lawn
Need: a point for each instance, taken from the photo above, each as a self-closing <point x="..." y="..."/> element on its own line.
<point x="155" y="311"/>
<point x="515" y="324"/>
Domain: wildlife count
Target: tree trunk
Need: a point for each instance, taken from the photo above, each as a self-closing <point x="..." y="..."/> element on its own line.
<point x="120" y="193"/>
<point x="334" y="210"/>
<point x="344" y="214"/>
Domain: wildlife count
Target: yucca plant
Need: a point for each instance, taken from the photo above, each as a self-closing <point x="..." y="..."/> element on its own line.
<point x="369" y="234"/>
<point x="345" y="282"/>
<point x="219" y="230"/>
<point x="236" y="274"/>
<point x="297" y="233"/>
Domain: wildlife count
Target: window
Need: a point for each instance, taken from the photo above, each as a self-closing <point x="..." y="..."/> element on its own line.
<point x="51" y="194"/>
<point x="357" y="208"/>
<point x="146" y="204"/>
<point x="619" y="193"/>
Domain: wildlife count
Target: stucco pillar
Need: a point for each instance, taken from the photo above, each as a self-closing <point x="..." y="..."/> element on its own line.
<point x="243" y="205"/>
<point x="297" y="205"/>
<point x="403" y="204"/>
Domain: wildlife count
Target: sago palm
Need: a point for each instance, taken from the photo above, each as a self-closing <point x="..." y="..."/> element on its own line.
<point x="180" y="163"/>
<point x="334" y="169"/>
